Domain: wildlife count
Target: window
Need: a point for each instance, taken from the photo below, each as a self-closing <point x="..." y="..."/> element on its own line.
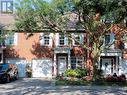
<point x="76" y="62"/>
<point x="61" y="39"/>
<point x="107" y="39"/>
<point x="46" y="39"/>
<point x="125" y="44"/>
<point x="125" y="22"/>
<point x="11" y="39"/>
<point x="6" y="6"/>
<point x="77" y="40"/>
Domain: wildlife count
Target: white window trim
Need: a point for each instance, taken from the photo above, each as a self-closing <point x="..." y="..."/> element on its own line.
<point x="16" y="39"/>
<point x="112" y="38"/>
<point x="125" y="44"/>
<point x="42" y="39"/>
<point x="65" y="40"/>
<point x="81" y="39"/>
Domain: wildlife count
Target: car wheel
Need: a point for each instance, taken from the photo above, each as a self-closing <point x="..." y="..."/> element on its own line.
<point x="8" y="79"/>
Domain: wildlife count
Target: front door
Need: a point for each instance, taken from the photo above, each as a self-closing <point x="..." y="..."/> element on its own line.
<point x="107" y="66"/>
<point x="61" y="64"/>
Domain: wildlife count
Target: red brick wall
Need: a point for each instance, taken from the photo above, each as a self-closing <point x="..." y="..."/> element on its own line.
<point x="28" y="48"/>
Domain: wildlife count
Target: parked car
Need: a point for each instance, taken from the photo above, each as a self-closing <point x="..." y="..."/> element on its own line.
<point x="8" y="72"/>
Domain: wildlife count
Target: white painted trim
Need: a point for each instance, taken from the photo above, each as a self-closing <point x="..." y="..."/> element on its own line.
<point x="54" y="64"/>
<point x="61" y="50"/>
<point x="56" y="39"/>
<point x="120" y="65"/>
<point x="16" y="39"/>
<point x="69" y="60"/>
<point x="81" y="38"/>
<point x="111" y="54"/>
<point x="65" y="59"/>
<point x="66" y="40"/>
<point x="50" y="39"/>
<point x="125" y="45"/>
<point x="112" y="38"/>
<point x="41" y="38"/>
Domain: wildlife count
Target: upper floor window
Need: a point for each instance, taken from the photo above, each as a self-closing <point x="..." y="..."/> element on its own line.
<point x="6" y="6"/>
<point x="46" y="39"/>
<point x="125" y="22"/>
<point x="78" y="39"/>
<point x="61" y="39"/>
<point x="107" y="39"/>
<point x="76" y="62"/>
<point x="125" y="44"/>
<point x="11" y="39"/>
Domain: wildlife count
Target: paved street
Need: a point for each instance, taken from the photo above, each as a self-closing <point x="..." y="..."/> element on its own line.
<point x="46" y="86"/>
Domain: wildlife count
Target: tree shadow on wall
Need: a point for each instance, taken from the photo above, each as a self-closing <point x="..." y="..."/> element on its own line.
<point x="41" y="51"/>
<point x="11" y="53"/>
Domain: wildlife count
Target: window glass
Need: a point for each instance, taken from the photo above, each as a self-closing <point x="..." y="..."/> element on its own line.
<point x="6" y="6"/>
<point x="10" y="39"/>
<point x="77" y="40"/>
<point x="76" y="62"/>
<point x="61" y="39"/>
<point x="46" y="39"/>
<point x="107" y="39"/>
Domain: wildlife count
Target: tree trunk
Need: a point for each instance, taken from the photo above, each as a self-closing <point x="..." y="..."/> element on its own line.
<point x="95" y="62"/>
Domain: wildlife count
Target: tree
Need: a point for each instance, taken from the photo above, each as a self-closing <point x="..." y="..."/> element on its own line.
<point x="4" y="34"/>
<point x="95" y="17"/>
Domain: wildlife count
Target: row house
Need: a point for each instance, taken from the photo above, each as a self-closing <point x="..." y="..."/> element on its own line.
<point x="50" y="54"/>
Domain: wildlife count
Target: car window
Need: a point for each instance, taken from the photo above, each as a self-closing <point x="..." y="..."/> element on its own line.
<point x="3" y="67"/>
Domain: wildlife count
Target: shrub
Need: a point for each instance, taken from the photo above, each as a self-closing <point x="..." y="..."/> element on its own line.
<point x="121" y="78"/>
<point x="100" y="72"/>
<point x="79" y="73"/>
<point x="71" y="73"/>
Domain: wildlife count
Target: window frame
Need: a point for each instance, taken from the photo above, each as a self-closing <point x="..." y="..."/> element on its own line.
<point x="109" y="39"/>
<point x="80" y="36"/>
<point x="7" y="10"/>
<point x="79" y="40"/>
<point x="11" y="39"/>
<point x="76" y="60"/>
<point x="63" y="39"/>
<point x="46" y="40"/>
<point x="125" y="43"/>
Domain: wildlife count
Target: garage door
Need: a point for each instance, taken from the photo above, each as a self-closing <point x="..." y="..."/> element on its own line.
<point x="42" y="68"/>
<point x="21" y="65"/>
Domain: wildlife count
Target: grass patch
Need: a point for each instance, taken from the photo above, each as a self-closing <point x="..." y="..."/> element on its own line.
<point x="88" y="83"/>
<point x="70" y="82"/>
